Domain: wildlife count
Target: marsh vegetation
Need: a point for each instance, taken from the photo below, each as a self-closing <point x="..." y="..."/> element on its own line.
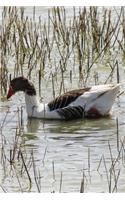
<point x="61" y="48"/>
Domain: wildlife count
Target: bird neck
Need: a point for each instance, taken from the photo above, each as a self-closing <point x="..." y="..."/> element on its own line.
<point x="32" y="103"/>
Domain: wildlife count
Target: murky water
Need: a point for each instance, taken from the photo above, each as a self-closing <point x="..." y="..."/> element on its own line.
<point x="65" y="153"/>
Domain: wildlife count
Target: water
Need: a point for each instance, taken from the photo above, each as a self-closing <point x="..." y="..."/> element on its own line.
<point x="67" y="148"/>
<point x="63" y="151"/>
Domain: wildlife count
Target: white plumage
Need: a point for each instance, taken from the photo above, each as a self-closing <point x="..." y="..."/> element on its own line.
<point x="95" y="101"/>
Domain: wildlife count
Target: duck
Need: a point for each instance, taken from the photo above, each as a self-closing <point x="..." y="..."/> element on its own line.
<point x="90" y="102"/>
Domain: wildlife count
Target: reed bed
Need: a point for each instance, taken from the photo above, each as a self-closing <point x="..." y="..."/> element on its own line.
<point x="60" y="46"/>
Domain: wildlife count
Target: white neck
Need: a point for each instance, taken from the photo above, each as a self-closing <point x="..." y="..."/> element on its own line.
<point x="32" y="104"/>
<point x="39" y="110"/>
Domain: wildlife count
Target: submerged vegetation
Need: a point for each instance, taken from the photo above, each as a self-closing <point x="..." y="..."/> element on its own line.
<point x="59" y="48"/>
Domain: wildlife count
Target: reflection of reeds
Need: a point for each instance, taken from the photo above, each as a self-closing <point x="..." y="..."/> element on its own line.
<point x="89" y="158"/>
<point x="53" y="165"/>
<point x="60" y="187"/>
<point x="117" y="133"/>
<point x="82" y="187"/>
<point x="23" y="164"/>
<point x="36" y="174"/>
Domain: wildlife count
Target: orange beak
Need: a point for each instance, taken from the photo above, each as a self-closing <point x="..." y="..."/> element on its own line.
<point x="10" y="92"/>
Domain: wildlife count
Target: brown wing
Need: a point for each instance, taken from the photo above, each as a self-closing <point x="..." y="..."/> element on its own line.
<point x="65" y="99"/>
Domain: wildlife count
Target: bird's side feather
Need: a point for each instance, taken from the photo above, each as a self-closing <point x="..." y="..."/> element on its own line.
<point x="65" y="99"/>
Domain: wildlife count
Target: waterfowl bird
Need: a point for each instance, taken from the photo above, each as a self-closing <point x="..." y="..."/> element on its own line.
<point x="95" y="101"/>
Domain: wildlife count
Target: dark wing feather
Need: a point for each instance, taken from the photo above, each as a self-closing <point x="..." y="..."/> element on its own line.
<point x="71" y="112"/>
<point x="65" y="99"/>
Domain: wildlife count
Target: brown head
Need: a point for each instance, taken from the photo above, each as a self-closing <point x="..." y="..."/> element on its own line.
<point x="21" y="84"/>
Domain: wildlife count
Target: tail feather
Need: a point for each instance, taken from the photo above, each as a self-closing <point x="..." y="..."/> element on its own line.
<point x="104" y="100"/>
